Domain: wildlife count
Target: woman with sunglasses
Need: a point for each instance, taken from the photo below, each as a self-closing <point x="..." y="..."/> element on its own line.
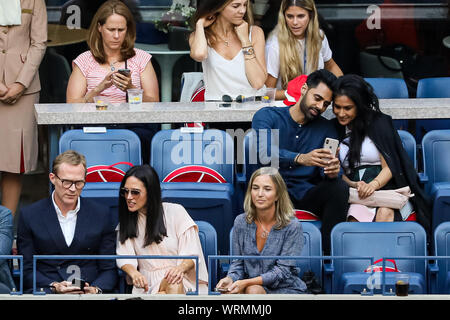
<point x="296" y="46"/>
<point x="267" y="228"/>
<point x="147" y="226"/>
<point x="230" y="48"/>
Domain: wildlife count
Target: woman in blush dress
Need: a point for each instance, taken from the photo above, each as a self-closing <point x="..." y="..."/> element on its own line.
<point x="147" y="226"/>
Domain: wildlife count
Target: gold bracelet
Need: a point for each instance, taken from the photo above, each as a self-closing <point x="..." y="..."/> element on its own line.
<point x="250" y="58"/>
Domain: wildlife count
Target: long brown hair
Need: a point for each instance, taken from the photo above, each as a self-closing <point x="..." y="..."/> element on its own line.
<point x="208" y="8"/>
<point x="95" y="40"/>
<point x="290" y="60"/>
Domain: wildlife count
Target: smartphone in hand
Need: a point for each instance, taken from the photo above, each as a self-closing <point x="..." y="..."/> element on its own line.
<point x="125" y="72"/>
<point x="332" y="145"/>
<point x="79" y="283"/>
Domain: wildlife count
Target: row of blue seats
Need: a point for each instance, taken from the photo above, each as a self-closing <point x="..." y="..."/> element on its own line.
<point x="395" y="88"/>
<point x="355" y="246"/>
<point x="177" y="156"/>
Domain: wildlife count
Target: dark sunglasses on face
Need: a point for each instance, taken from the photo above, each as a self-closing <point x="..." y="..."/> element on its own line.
<point x="125" y="191"/>
<point x="79" y="184"/>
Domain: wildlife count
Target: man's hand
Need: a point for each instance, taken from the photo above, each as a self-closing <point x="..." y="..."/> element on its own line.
<point x="333" y="168"/>
<point x="66" y="287"/>
<point x="13" y="94"/>
<point x="317" y="158"/>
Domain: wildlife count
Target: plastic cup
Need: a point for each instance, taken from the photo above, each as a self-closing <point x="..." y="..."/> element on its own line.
<point x="269" y="97"/>
<point x="101" y="103"/>
<point x="135" y="98"/>
<point x="401" y="285"/>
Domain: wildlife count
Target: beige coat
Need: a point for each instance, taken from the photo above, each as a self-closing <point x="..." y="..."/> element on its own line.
<point x="21" y="51"/>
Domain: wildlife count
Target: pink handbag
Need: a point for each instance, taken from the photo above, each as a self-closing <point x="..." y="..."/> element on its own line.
<point x="394" y="199"/>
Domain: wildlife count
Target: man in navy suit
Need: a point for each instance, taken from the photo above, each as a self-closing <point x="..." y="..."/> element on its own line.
<point x="66" y="224"/>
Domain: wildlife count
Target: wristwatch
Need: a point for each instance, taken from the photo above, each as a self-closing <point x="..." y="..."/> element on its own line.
<point x="248" y="51"/>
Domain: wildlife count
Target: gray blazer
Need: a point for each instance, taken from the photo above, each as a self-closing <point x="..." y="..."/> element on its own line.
<point x="6" y="241"/>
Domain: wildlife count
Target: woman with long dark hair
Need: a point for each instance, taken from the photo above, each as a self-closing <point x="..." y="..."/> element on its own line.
<point x="372" y="153"/>
<point x="148" y="226"/>
<point x="230" y="48"/>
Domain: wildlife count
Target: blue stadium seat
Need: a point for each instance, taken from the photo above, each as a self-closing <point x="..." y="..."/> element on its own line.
<point x="377" y="240"/>
<point x="432" y="88"/>
<point x="441" y="282"/>
<point x="409" y="144"/>
<point x="311" y="247"/>
<point x="208" y="239"/>
<point x="180" y="157"/>
<point x="391" y="88"/>
<point x="112" y="146"/>
<point x="436" y="167"/>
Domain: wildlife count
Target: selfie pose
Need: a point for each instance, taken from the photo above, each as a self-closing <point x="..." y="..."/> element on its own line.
<point x="297" y="46"/>
<point x="267" y="228"/>
<point x="372" y="153"/>
<point x="148" y="226"/>
<point x="230" y="48"/>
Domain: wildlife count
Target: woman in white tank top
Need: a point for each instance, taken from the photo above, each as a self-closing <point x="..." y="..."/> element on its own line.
<point x="230" y="48"/>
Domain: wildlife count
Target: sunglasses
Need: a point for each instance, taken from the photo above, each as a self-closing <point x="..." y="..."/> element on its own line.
<point x="239" y="99"/>
<point x="125" y="191"/>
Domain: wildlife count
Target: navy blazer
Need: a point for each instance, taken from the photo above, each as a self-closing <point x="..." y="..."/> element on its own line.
<point x="39" y="233"/>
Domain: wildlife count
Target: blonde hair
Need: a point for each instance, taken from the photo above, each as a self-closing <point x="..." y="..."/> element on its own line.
<point x="95" y="40"/>
<point x="289" y="48"/>
<point x="208" y="8"/>
<point x="284" y="210"/>
<point x="71" y="157"/>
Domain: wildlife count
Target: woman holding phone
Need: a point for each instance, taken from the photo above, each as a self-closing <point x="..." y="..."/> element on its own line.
<point x="372" y="154"/>
<point x="113" y="65"/>
<point x="230" y="48"/>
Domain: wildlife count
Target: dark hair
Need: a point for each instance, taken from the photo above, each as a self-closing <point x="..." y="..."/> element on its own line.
<point x="321" y="75"/>
<point x="155" y="229"/>
<point x="206" y="8"/>
<point x="367" y="106"/>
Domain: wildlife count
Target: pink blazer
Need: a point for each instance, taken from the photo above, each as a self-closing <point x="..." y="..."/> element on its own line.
<point x="23" y="47"/>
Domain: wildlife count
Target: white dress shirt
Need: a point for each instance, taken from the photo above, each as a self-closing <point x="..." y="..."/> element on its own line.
<point x="68" y="222"/>
<point x="10" y="13"/>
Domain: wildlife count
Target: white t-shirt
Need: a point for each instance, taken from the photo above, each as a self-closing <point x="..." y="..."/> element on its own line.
<point x="273" y="55"/>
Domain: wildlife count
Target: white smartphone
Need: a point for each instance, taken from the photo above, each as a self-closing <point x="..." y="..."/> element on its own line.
<point x="332" y="145"/>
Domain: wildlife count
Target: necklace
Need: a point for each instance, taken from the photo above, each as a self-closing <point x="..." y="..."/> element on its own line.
<point x="265" y="233"/>
<point x="227" y="43"/>
<point x="111" y="65"/>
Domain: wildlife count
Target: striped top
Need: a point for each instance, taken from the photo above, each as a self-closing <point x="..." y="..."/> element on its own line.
<point x="94" y="73"/>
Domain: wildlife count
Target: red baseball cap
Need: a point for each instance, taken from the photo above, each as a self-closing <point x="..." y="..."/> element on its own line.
<point x="294" y="89"/>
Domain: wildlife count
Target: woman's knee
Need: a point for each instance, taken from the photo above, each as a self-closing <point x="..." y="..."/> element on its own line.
<point x="384" y="215"/>
<point x="255" y="289"/>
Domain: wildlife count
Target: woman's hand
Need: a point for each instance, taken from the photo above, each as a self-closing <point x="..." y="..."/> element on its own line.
<point x="106" y="82"/>
<point x="175" y="275"/>
<point x="364" y="189"/>
<point x="224" y="283"/>
<point x="205" y="22"/>
<point x="121" y="81"/>
<point x="238" y="286"/>
<point x="139" y="281"/>
<point x="13" y="93"/>
<point x="242" y="33"/>
<point x="3" y="90"/>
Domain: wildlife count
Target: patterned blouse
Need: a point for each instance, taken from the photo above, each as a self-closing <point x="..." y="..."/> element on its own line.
<point x="279" y="276"/>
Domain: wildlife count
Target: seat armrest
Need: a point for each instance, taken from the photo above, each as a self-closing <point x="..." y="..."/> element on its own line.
<point x="423" y="177"/>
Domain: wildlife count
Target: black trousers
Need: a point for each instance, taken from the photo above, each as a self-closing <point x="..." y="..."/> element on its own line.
<point x="329" y="201"/>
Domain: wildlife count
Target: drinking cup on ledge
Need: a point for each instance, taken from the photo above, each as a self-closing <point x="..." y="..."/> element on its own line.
<point x="101" y="103"/>
<point x="269" y="97"/>
<point x="135" y="98"/>
<point x="401" y="285"/>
